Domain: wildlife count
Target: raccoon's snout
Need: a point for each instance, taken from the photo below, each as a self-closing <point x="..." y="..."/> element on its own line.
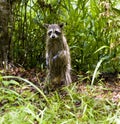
<point x="53" y="36"/>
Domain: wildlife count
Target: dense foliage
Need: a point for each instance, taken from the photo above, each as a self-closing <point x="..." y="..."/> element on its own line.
<point x="92" y="31"/>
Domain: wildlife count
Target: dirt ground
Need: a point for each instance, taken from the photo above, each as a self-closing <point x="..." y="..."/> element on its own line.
<point x="106" y="86"/>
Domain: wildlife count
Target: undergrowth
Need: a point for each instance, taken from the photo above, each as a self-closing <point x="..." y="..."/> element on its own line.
<point x="22" y="103"/>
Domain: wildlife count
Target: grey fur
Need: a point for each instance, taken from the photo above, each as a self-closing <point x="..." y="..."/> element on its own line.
<point x="57" y="55"/>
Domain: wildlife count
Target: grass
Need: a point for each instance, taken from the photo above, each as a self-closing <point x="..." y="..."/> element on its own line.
<point x="76" y="104"/>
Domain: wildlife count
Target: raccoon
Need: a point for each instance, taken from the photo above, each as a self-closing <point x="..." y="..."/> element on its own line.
<point x="58" y="59"/>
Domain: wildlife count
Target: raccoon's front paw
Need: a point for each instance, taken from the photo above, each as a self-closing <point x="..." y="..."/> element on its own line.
<point x="55" y="57"/>
<point x="47" y="63"/>
<point x="62" y="54"/>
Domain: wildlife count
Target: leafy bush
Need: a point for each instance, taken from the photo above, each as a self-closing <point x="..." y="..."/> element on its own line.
<point x="92" y="30"/>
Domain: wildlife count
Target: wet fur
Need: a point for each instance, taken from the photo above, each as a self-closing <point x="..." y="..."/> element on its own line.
<point x="58" y="58"/>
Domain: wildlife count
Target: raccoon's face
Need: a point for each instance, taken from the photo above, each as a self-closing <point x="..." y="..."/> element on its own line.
<point x="54" y="31"/>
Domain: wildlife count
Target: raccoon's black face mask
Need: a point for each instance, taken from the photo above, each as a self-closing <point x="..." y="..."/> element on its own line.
<point x="54" y="34"/>
<point x="54" y="30"/>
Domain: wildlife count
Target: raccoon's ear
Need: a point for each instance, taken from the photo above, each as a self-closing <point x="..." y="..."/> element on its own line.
<point x="61" y="25"/>
<point x="46" y="26"/>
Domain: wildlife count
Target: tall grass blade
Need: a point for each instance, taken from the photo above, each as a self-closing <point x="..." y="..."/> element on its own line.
<point x="97" y="67"/>
<point x="101" y="48"/>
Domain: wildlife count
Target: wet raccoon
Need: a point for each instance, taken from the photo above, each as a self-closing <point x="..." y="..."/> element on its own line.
<point x="58" y="59"/>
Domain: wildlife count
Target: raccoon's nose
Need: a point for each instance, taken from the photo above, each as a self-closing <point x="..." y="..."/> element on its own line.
<point x="53" y="36"/>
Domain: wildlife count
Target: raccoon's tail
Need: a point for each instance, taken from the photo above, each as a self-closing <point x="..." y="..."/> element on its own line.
<point x="68" y="79"/>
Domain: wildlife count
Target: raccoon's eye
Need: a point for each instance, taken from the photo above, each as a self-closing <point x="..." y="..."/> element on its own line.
<point x="57" y="32"/>
<point x="49" y="33"/>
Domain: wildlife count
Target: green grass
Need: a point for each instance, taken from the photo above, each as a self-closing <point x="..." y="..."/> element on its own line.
<point x="75" y="104"/>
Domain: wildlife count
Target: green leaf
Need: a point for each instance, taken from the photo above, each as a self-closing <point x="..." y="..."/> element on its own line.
<point x="6" y="83"/>
<point x="94" y="8"/>
<point x="101" y="48"/>
<point x="0" y="78"/>
<point x="97" y="67"/>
